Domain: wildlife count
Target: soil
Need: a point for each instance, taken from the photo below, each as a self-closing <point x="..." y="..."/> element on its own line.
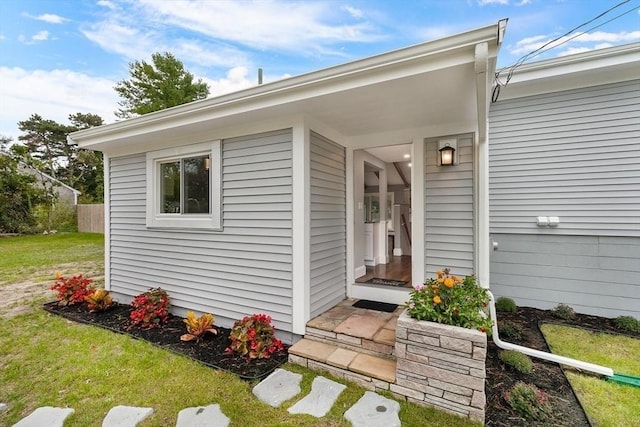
<point x="547" y="376"/>
<point x="209" y="350"/>
<point x="566" y="409"/>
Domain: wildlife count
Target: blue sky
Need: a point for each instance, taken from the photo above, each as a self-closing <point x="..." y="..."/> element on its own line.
<point x="60" y="57"/>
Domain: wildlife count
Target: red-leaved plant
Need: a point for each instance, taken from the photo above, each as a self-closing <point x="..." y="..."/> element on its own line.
<point x="254" y="337"/>
<point x="150" y="309"/>
<point x="71" y="290"/>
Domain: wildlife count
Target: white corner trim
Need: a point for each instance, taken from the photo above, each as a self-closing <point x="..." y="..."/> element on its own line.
<point x="301" y="292"/>
<point x="353" y="271"/>
<point x="212" y="221"/>
<point x="107" y="222"/>
<point x="418" y="211"/>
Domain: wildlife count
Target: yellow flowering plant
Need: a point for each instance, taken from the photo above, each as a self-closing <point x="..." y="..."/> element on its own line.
<point x="450" y="300"/>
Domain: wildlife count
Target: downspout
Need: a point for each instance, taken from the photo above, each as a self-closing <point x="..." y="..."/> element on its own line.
<point x="584" y="366"/>
<point x="481" y="152"/>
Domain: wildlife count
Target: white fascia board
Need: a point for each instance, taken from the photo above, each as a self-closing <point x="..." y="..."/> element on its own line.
<point x="593" y="68"/>
<point x="437" y="54"/>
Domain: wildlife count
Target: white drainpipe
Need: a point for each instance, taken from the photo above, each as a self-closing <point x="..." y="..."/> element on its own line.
<point x="583" y="366"/>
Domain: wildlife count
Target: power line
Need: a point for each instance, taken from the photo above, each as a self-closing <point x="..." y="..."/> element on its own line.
<point x="541" y="49"/>
<point x="590" y="29"/>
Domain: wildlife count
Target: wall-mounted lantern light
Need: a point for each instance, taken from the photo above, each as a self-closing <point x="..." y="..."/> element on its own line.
<point x="447" y="152"/>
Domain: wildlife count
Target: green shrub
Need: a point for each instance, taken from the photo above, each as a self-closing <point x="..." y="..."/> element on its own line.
<point x="520" y="361"/>
<point x="564" y="311"/>
<point x="451" y="300"/>
<point x="506" y="305"/>
<point x="510" y="332"/>
<point x="529" y="401"/>
<point x="627" y="323"/>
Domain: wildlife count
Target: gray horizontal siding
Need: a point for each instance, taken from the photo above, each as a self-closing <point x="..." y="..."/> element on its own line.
<point x="449" y="222"/>
<point x="594" y="275"/>
<point x="328" y="224"/>
<point x="242" y="270"/>
<point x="572" y="154"/>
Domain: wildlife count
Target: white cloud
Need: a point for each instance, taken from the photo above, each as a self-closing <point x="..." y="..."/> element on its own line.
<point x="40" y="36"/>
<point x="52" y="94"/>
<point x="354" y="12"/>
<point x="574" y="50"/>
<point x="597" y="36"/>
<point x="139" y="43"/>
<point x="121" y="39"/>
<point x="435" y="32"/>
<point x="37" y="37"/>
<point x="486" y="2"/>
<point x="108" y="4"/>
<point x="573" y="41"/>
<point x="299" y="27"/>
<point x="235" y="80"/>
<point x="51" y="18"/>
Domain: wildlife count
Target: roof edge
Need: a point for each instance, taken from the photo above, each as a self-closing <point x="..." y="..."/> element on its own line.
<point x="443" y="45"/>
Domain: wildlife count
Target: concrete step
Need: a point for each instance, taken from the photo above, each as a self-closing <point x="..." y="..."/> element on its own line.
<point x="372" y="372"/>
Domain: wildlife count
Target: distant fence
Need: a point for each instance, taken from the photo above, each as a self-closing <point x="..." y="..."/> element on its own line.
<point x="91" y="218"/>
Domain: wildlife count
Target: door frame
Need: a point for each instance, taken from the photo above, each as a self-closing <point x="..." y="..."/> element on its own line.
<point x="354" y="213"/>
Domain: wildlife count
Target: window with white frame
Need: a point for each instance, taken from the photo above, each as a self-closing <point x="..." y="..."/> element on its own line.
<point x="183" y="187"/>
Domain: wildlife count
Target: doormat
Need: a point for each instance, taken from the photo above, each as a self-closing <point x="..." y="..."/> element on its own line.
<point x="387" y="282"/>
<point x="375" y="305"/>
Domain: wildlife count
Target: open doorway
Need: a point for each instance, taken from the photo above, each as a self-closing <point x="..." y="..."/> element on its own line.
<point x="385" y="198"/>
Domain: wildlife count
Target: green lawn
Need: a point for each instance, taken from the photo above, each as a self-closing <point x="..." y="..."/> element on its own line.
<point x="47" y="360"/>
<point x="37" y="257"/>
<point x="607" y="404"/>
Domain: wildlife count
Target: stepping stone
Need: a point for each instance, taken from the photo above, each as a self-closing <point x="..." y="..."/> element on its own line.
<point x="45" y="416"/>
<point x="324" y="394"/>
<point x="126" y="416"/>
<point x="373" y="410"/>
<point x="207" y="416"/>
<point x="278" y="387"/>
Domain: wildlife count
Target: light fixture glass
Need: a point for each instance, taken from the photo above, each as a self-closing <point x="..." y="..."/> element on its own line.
<point x="447" y="155"/>
<point x="407" y="156"/>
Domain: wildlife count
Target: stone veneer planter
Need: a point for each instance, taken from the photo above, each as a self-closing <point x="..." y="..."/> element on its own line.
<point x="441" y="366"/>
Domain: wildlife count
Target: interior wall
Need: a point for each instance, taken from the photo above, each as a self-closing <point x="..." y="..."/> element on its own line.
<point x="359" y="159"/>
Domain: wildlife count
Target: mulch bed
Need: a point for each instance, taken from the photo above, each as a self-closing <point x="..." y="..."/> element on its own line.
<point x="548" y="376"/>
<point x="210" y="350"/>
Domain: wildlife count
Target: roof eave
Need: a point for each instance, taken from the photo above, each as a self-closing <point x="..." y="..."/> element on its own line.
<point x="290" y="87"/>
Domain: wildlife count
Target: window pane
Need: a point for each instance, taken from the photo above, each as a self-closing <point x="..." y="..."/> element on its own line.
<point x="170" y="191"/>
<point x="196" y="185"/>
